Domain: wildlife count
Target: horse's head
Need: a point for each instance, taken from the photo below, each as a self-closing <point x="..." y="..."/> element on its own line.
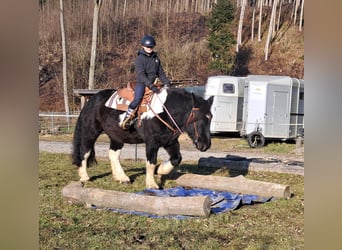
<point x="198" y="122"/>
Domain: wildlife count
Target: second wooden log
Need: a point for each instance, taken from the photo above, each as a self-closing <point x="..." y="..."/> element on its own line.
<point x="237" y="184"/>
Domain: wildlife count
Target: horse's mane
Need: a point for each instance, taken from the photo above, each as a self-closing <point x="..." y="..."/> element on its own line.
<point x="184" y="98"/>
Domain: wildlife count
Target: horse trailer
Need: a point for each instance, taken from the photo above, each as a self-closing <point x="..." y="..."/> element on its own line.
<point x="227" y="106"/>
<point x="273" y="108"/>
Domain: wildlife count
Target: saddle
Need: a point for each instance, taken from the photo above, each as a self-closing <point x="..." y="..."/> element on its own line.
<point x="124" y="96"/>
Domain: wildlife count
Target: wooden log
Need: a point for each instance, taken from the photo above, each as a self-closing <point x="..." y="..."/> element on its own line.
<point x="192" y="206"/>
<point x="240" y="166"/>
<point x="237" y="184"/>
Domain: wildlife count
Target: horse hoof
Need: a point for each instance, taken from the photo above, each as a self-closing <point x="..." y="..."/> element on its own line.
<point x="123" y="180"/>
<point x="152" y="186"/>
<point x="85" y="179"/>
<point x="165" y="168"/>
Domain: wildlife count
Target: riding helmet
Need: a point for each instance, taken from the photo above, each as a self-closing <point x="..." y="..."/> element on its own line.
<point x="148" y="41"/>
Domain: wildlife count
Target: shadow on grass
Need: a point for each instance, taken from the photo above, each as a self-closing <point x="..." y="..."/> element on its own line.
<point x="100" y="176"/>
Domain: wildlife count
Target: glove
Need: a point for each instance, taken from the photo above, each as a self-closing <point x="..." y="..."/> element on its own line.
<point x="154" y="89"/>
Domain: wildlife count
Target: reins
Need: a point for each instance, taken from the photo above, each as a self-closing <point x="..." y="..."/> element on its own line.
<point x="190" y="117"/>
<point x="168" y="113"/>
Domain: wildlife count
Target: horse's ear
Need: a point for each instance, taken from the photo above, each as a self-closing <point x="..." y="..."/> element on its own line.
<point x="210" y="100"/>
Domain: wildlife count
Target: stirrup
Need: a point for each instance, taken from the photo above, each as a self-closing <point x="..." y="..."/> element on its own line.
<point x="127" y="122"/>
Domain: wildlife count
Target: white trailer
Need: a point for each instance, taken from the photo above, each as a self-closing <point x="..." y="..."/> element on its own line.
<point x="273" y="108"/>
<point x="227" y="106"/>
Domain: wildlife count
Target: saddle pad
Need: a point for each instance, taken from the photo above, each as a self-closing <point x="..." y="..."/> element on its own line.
<point x="156" y="106"/>
<point x="117" y="102"/>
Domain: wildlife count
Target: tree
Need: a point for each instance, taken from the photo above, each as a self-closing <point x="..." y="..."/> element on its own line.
<point x="296" y="5"/>
<point x="65" y="82"/>
<point x="260" y="20"/>
<point x="239" y="33"/>
<point x="91" y="83"/>
<point x="271" y="28"/>
<point x="279" y="13"/>
<point x="221" y="39"/>
<point x="253" y="20"/>
<point x="301" y="16"/>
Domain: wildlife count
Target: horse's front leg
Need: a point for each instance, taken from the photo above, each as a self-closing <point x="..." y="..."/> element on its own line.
<point x="151" y="162"/>
<point x="175" y="159"/>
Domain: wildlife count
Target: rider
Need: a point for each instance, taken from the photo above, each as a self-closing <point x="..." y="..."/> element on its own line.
<point x="148" y="68"/>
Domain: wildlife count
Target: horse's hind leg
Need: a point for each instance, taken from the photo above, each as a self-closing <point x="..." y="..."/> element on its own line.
<point x="114" y="157"/>
<point x="87" y="152"/>
<point x="175" y="158"/>
<point x="82" y="170"/>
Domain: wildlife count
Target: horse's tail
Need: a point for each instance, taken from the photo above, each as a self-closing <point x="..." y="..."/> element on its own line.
<point x="88" y="128"/>
<point x="77" y="154"/>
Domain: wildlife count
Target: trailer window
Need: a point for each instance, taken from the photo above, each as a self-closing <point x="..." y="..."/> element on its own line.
<point x="228" y="88"/>
<point x="301" y="96"/>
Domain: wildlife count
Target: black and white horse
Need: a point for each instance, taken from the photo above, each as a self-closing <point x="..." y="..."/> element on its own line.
<point x="181" y="112"/>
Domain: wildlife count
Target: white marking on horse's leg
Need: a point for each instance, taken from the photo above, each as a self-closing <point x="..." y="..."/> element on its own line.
<point x="150" y="182"/>
<point x="165" y="168"/>
<point x="117" y="171"/>
<point x="82" y="170"/>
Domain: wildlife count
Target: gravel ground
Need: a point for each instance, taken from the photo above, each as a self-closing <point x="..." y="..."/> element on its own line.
<point x="262" y="162"/>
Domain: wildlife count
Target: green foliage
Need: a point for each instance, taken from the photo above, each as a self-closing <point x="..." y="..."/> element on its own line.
<point x="221" y="39"/>
<point x="222" y="13"/>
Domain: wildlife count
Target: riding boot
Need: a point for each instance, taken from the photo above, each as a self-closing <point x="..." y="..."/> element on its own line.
<point x="128" y="120"/>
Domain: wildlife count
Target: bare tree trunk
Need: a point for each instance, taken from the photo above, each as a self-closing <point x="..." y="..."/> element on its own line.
<point x="124" y="8"/>
<point x="91" y="84"/>
<point x="295" y="11"/>
<point x="270" y="28"/>
<point x="301" y="16"/>
<point x="253" y="20"/>
<point x="278" y="22"/>
<point x="260" y="20"/>
<point x="167" y="17"/>
<point x="65" y="82"/>
<point x="239" y="35"/>
<point x="274" y="17"/>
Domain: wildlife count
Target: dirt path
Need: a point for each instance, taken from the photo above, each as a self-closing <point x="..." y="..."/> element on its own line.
<point x="258" y="162"/>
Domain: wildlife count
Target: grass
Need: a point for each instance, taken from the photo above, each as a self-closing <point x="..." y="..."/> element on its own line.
<point x="274" y="225"/>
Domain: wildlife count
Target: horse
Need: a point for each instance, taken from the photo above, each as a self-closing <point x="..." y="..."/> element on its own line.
<point x="182" y="111"/>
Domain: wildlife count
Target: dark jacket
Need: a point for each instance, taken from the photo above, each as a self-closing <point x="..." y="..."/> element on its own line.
<point x="148" y="68"/>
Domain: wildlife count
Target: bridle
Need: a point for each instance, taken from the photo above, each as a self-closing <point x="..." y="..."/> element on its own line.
<point x="190" y="117"/>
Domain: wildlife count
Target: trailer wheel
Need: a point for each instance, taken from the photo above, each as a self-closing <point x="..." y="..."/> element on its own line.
<point x="256" y="140"/>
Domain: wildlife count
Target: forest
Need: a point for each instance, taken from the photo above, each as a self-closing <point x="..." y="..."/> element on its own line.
<point x="195" y="39"/>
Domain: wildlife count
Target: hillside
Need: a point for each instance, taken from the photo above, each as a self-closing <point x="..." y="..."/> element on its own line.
<point x="183" y="53"/>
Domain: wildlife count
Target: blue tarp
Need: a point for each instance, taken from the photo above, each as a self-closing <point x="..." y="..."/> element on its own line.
<point x="220" y="201"/>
